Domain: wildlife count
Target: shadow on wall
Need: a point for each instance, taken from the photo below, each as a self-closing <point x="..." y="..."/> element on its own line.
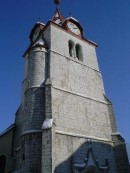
<point x="2" y="163"/>
<point x="90" y="157"/>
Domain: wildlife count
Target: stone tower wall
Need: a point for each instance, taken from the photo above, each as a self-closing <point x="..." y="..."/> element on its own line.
<point x="79" y="108"/>
<point x="31" y="114"/>
<point x="78" y="102"/>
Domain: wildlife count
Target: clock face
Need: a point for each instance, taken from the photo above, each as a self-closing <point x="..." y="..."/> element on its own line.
<point x="35" y="34"/>
<point x="73" y="28"/>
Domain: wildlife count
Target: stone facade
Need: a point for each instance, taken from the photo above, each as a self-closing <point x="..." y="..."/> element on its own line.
<point x="65" y="122"/>
<point x="31" y="114"/>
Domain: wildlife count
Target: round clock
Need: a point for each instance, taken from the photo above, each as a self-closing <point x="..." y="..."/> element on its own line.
<point x="73" y="28"/>
<point x="35" y="34"/>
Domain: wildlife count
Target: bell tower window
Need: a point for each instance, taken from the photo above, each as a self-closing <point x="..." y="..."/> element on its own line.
<point x="71" y="48"/>
<point x="75" y="50"/>
<point x="79" y="54"/>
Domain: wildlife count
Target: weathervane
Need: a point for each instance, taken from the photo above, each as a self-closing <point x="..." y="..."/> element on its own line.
<point x="57" y="2"/>
<point x="39" y="19"/>
<point x="70" y="14"/>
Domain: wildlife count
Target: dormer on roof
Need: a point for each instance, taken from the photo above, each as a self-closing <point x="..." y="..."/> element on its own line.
<point x="36" y="38"/>
<point x="72" y="18"/>
<point x="73" y="26"/>
<point x="38" y="27"/>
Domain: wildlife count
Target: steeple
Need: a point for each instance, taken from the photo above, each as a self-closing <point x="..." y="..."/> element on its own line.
<point x="57" y="2"/>
<point x="58" y="17"/>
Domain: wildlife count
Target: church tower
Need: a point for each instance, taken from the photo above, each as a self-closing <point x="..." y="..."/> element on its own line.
<point x="65" y="123"/>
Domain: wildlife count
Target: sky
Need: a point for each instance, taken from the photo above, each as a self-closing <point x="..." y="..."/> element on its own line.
<point x="106" y="22"/>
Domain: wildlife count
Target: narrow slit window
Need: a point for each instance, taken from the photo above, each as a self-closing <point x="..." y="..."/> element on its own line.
<point x="78" y="50"/>
<point x="71" y="49"/>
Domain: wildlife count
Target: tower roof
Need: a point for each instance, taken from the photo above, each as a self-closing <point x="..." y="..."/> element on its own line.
<point x="70" y="25"/>
<point x="58" y="17"/>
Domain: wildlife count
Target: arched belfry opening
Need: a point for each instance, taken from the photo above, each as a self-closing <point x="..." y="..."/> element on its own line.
<point x="71" y="48"/>
<point x="79" y="55"/>
<point x="2" y="164"/>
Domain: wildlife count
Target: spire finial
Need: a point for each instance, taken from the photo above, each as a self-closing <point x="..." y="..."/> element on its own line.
<point x="57" y="2"/>
<point x="70" y="14"/>
<point x="39" y="19"/>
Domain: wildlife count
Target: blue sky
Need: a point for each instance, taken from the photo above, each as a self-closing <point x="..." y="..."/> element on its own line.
<point x="105" y="22"/>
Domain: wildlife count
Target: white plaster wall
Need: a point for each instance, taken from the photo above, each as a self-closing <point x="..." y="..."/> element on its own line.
<point x="78" y="102"/>
<point x="82" y="116"/>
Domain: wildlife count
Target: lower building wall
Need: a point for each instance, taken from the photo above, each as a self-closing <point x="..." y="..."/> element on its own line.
<point x="6" y="158"/>
<point x="28" y="158"/>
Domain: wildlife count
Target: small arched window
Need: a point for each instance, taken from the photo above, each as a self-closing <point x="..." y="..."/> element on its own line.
<point x="71" y="48"/>
<point x="79" y="54"/>
<point x="2" y="164"/>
